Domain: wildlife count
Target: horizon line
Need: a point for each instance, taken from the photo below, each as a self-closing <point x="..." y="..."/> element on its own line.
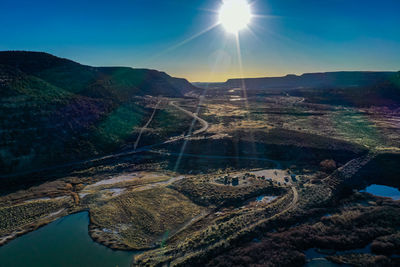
<point x="298" y="74"/>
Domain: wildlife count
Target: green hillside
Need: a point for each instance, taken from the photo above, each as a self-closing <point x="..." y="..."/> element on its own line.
<point x="117" y="82"/>
<point x="54" y="110"/>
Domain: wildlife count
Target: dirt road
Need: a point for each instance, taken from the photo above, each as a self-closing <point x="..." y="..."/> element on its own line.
<point x="195" y="116"/>
<point x="146" y="125"/>
<point x="125" y="153"/>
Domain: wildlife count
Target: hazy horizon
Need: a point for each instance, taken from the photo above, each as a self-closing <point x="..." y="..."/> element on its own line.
<point x="254" y="75"/>
<point x="220" y="81"/>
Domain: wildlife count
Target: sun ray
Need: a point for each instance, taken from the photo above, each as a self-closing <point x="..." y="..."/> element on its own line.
<point x="251" y="31"/>
<point x="194" y="36"/>
<point x="187" y="40"/>
<point x="244" y="90"/>
<point x="239" y="55"/>
<point x="186" y="138"/>
<point x="262" y="16"/>
<point x="276" y="35"/>
<point x="201" y="100"/>
<point x="208" y="10"/>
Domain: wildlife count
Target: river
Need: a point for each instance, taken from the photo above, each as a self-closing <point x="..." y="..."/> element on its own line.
<point x="64" y="242"/>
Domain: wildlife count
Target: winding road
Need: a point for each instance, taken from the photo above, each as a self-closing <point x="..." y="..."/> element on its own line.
<point x="195" y="116"/>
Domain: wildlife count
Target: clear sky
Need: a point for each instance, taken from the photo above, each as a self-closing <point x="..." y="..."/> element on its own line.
<point x="291" y="36"/>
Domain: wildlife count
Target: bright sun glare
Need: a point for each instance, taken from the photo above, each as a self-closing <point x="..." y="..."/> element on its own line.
<point x="234" y="15"/>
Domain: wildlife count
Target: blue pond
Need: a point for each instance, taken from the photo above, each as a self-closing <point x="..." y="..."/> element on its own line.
<point x="64" y="242"/>
<point x="316" y="257"/>
<point x="265" y="199"/>
<point x="383" y="191"/>
<point x="260" y="198"/>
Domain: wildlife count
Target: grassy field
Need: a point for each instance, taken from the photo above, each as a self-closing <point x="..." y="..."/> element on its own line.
<point x="143" y="219"/>
<point x="209" y="193"/>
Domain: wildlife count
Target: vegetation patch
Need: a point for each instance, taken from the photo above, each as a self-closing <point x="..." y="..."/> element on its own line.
<point x="207" y="193"/>
<point x="14" y="217"/>
<point x="144" y="218"/>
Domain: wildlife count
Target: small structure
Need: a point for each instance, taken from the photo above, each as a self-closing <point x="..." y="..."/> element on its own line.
<point x="235" y="181"/>
<point x="226" y="180"/>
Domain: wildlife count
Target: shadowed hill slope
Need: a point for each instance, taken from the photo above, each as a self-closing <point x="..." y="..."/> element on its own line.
<point x="86" y="80"/>
<point x="54" y="110"/>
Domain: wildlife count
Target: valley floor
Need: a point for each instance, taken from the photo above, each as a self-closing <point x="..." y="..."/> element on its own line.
<point x="255" y="181"/>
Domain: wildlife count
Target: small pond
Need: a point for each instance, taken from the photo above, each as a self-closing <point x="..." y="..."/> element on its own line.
<point x="383" y="191"/>
<point x="316" y="257"/>
<point x="265" y="199"/>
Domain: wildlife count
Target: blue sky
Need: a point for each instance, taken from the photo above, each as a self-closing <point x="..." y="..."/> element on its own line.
<point x="293" y="36"/>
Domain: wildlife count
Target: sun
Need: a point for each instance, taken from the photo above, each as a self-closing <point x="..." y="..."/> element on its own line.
<point x="235" y="15"/>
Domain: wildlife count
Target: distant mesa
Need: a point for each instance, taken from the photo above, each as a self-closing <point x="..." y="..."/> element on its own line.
<point x="314" y="80"/>
<point x="340" y="79"/>
<point x="353" y="88"/>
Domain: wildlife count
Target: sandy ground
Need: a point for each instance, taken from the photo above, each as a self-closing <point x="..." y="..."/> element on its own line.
<point x="137" y="181"/>
<point x="275" y="174"/>
<point x="114" y="180"/>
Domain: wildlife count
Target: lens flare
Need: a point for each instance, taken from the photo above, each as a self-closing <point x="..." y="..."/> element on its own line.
<point x="235" y="15"/>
